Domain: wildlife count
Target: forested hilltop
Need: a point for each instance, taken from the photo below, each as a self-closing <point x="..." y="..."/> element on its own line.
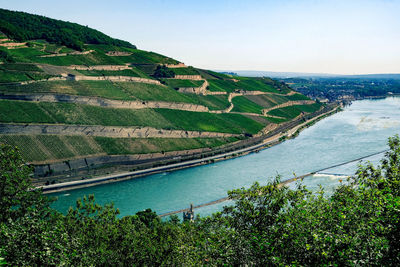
<point x="22" y="26"/>
<point x="73" y="99"/>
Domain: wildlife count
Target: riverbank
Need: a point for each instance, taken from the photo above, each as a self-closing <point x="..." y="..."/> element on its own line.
<point x="265" y="142"/>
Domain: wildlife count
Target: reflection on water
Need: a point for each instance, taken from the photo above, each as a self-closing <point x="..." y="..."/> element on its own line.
<point x="370" y="123"/>
<point x="361" y="129"/>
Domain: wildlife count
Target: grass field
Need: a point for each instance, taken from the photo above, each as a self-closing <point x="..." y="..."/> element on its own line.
<point x="293" y="111"/>
<point x="98" y="57"/>
<point x="119" y="91"/>
<point x="242" y="104"/>
<point x="296" y="97"/>
<point x="39" y="148"/>
<point x="94" y="58"/>
<point x="264" y="101"/>
<point x="105" y="89"/>
<point x="255" y="84"/>
<point x="12" y="76"/>
<point x="309" y="108"/>
<point x="212" y="75"/>
<point x="115" y="146"/>
<point x="275" y="120"/>
<point x="25" y="54"/>
<point x="140" y="56"/>
<point x="185" y="71"/>
<point x="52" y="147"/>
<point x="143" y="91"/>
<point x="244" y="83"/>
<point x="213" y="102"/>
<point x="65" y="113"/>
<point x="148" y="69"/>
<point x="130" y="73"/>
<point x="182" y="83"/>
<point x="21" y="72"/>
<point x="20" y="67"/>
<point x="198" y="121"/>
<point x="222" y="85"/>
<point x="27" y="145"/>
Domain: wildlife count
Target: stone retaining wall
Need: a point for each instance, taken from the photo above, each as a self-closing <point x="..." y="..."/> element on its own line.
<point x="216" y="93"/>
<point x="202" y="90"/>
<point x="102" y="102"/>
<point x="114" y="79"/>
<point x="99" y="67"/>
<point x="105" y="131"/>
<point x="118" y="54"/>
<point x="12" y="44"/>
<point x="75" y="53"/>
<point x="188" y="77"/>
<point x="91" y="162"/>
<point x="66" y="77"/>
<point x="175" y="66"/>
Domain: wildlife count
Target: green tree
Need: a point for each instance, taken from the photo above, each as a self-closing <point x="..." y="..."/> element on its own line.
<point x="358" y="224"/>
<point x="273" y="225"/>
<point x="17" y="196"/>
<point x="29" y="232"/>
<point x="163" y="72"/>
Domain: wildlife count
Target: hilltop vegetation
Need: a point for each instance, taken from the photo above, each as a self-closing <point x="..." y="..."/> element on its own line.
<point x="271" y="225"/>
<point x="22" y="26"/>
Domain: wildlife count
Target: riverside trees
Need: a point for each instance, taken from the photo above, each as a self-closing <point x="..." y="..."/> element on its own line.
<point x="268" y="225"/>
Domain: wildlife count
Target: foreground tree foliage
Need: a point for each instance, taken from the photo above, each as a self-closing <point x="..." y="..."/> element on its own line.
<point x="358" y="224"/>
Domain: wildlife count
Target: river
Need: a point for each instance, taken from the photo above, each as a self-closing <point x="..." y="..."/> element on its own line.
<point x="360" y="129"/>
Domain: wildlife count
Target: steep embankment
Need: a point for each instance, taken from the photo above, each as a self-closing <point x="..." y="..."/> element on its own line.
<point x="101" y="96"/>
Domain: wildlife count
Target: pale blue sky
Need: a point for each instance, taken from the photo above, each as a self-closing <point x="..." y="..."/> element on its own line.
<point x="347" y="37"/>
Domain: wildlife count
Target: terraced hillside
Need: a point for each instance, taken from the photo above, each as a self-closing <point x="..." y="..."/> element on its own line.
<point x="58" y="103"/>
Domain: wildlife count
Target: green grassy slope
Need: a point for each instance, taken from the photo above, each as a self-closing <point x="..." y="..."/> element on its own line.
<point x="39" y="148"/>
<point x="27" y="69"/>
<point x="66" y="113"/>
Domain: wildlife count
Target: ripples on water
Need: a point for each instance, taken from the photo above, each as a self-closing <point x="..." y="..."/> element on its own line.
<point x="361" y="129"/>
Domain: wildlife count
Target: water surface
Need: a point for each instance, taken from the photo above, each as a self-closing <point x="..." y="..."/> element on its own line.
<point x="361" y="129"/>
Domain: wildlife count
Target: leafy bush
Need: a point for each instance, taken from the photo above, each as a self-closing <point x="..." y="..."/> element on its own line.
<point x="272" y="225"/>
<point x="163" y="72"/>
<point x="6" y="57"/>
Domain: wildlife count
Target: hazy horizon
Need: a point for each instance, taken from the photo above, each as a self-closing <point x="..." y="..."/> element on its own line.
<point x="310" y="36"/>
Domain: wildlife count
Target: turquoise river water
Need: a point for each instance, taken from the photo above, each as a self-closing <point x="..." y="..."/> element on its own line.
<point x="361" y="129"/>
